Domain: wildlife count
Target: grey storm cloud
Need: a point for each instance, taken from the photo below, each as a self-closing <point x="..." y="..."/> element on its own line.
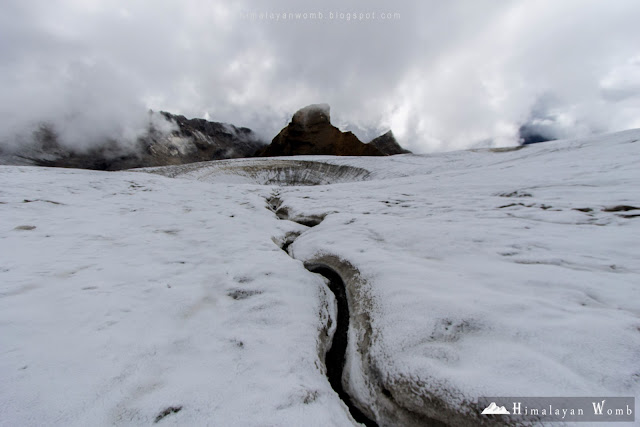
<point x="441" y="75"/>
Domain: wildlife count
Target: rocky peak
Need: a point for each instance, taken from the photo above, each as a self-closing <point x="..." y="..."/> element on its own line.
<point x="312" y="115"/>
<point x="311" y="133"/>
<point x="388" y="145"/>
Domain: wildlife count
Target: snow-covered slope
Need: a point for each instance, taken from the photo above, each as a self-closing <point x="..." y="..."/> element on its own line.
<point x="135" y="293"/>
<point x="468" y="274"/>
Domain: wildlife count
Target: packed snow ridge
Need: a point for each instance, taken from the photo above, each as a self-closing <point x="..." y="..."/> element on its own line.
<point x="130" y="298"/>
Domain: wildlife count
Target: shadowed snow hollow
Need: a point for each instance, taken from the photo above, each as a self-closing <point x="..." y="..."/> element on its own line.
<point x="267" y="172"/>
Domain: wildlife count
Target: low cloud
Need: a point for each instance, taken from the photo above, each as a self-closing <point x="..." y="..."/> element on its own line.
<point x="442" y="75"/>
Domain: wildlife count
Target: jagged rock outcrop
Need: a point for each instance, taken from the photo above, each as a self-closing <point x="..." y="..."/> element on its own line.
<point x="388" y="145"/>
<point x="190" y="140"/>
<point x="311" y="133"/>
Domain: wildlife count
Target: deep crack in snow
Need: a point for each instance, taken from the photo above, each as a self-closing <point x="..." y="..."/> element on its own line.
<point x="335" y="356"/>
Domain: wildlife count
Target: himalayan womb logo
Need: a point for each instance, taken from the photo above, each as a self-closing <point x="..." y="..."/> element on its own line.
<point x="494" y="409"/>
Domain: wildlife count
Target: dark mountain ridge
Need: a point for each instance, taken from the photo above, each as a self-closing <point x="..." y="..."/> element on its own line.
<point x="310" y="132"/>
<point x="185" y="140"/>
<point x="190" y="140"/>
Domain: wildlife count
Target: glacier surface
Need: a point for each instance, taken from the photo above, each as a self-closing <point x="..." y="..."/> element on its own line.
<point x="125" y="295"/>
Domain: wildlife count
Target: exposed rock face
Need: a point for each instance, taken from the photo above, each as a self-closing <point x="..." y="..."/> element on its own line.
<point x="314" y="114"/>
<point x="311" y="133"/>
<point x="191" y="140"/>
<point x="388" y="145"/>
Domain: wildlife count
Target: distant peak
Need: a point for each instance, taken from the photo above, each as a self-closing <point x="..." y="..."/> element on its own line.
<point x="388" y="145"/>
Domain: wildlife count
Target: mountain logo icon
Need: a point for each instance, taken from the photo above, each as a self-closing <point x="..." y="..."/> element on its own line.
<point x="494" y="409"/>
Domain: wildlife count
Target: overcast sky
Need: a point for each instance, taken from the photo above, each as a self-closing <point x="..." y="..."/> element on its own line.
<point x="441" y="74"/>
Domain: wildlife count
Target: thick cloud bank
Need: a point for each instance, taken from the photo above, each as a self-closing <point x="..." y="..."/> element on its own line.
<point x="442" y="75"/>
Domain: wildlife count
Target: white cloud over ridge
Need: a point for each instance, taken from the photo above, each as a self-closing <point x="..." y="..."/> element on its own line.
<point x="445" y="75"/>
